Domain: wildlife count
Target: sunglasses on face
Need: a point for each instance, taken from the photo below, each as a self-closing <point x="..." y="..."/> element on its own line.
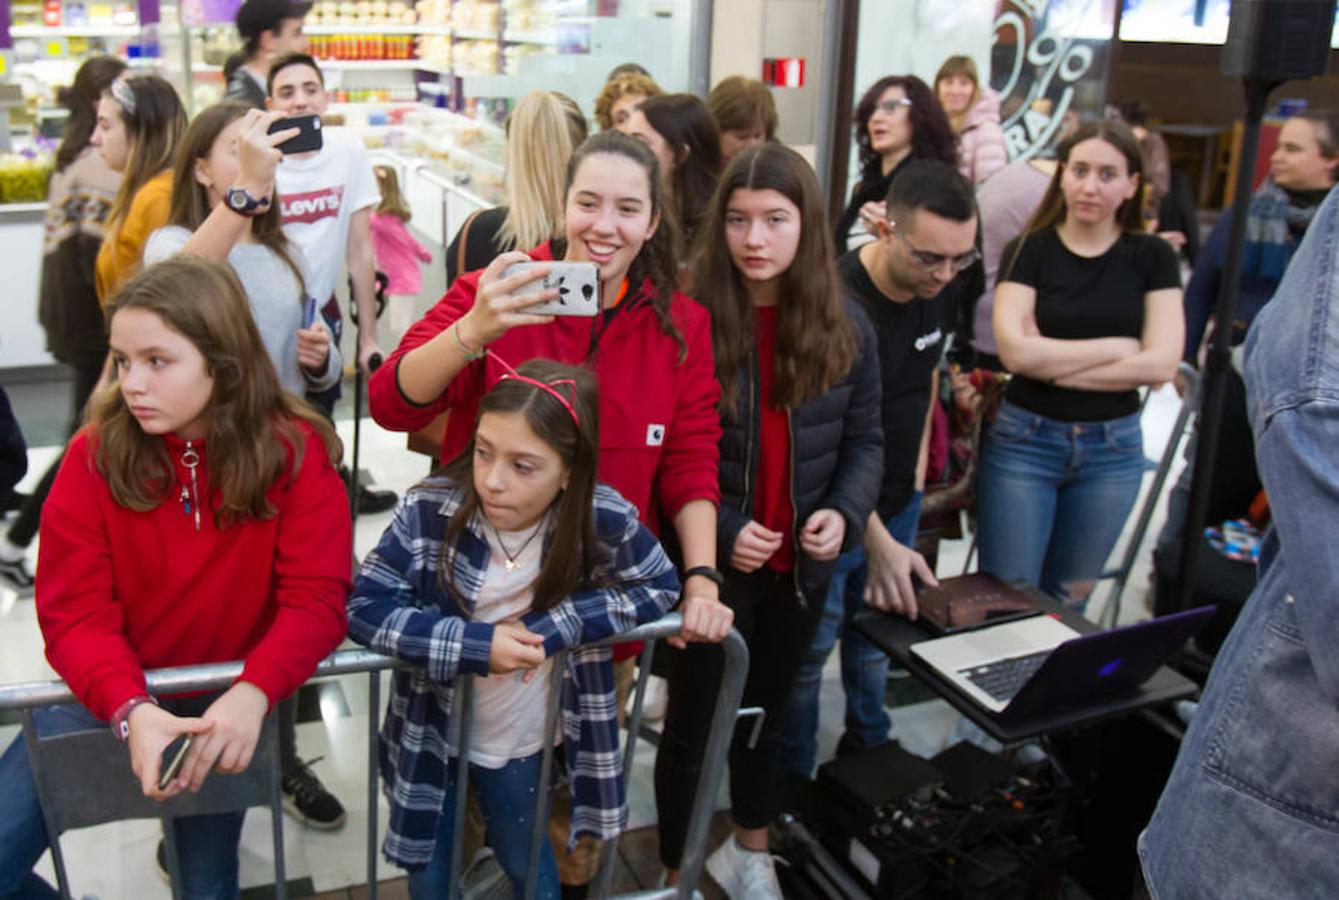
<point x="932" y="261"/>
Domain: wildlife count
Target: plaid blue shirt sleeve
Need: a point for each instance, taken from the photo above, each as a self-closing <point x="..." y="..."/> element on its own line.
<point x="396" y="606"/>
<point x="641" y="583"/>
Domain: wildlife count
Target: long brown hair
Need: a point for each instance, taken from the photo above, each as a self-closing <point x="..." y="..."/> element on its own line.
<point x="81" y="99"/>
<point x="190" y="198"/>
<point x="252" y="428"/>
<point x="815" y="344"/>
<point x="657" y="261"/>
<point x="686" y="125"/>
<point x="155" y="121"/>
<point x="1052" y="211"/>
<point x="574" y="553"/>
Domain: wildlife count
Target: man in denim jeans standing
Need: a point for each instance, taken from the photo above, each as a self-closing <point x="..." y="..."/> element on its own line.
<point x="909" y="280"/>
<point x="1252" y="805"/>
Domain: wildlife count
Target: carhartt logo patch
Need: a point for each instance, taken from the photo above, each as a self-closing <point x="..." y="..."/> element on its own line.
<point x="655" y="435"/>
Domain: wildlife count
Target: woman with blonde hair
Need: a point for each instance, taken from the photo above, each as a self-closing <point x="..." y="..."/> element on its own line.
<point x="542" y="131"/>
<point x="974" y="113"/>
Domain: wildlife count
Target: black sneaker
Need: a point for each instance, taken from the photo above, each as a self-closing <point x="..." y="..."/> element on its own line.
<point x="374" y="501"/>
<point x="307" y="800"/>
<point x="16" y="575"/>
<point x="370" y="500"/>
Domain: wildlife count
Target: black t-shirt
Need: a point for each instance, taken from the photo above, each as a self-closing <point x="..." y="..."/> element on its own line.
<point x="1081" y="297"/>
<point x="911" y="339"/>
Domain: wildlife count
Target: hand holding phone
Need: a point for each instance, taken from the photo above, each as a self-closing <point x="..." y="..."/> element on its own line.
<point x="577" y="284"/>
<point x="257" y="155"/>
<point x="308" y="137"/>
<point x="153" y="742"/>
<point x="173" y="756"/>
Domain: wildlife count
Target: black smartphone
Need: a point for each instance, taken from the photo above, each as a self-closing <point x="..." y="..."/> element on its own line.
<point x="173" y="756"/>
<point x="307" y="141"/>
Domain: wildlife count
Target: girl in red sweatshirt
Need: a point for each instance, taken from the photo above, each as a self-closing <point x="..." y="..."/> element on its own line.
<point x="198" y="518"/>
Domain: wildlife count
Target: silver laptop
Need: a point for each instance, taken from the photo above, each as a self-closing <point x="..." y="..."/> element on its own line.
<point x="1035" y="665"/>
<point x="967" y="660"/>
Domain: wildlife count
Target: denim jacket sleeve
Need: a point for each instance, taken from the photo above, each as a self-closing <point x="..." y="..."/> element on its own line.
<point x="1292" y="377"/>
<point x="641" y="585"/>
<point x="1305" y="507"/>
<point x="386" y="607"/>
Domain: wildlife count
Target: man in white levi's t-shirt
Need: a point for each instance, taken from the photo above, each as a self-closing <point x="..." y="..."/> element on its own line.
<point x="327" y="197"/>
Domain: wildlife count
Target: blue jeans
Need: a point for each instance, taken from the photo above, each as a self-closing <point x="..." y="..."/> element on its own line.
<point x="507" y="800"/>
<point x="864" y="666"/>
<point x="206" y="845"/>
<point x="1053" y="496"/>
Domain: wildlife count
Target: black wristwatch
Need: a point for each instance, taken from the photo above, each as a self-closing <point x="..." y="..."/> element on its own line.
<point x="240" y="201"/>
<point x="706" y="572"/>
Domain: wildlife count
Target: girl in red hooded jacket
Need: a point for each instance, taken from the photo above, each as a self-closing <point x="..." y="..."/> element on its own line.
<point x="198" y="518"/>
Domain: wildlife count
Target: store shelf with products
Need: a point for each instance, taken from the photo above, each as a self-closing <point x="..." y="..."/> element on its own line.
<point x="374" y="28"/>
<point x="530" y="37"/>
<point x="43" y="32"/>
<point x="448" y="164"/>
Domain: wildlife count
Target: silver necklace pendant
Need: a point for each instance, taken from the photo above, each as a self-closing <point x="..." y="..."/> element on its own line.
<point x="512" y="562"/>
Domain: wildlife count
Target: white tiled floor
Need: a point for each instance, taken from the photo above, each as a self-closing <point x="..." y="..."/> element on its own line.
<point x="116" y="861"/>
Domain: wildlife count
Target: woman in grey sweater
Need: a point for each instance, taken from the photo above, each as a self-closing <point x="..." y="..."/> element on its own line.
<point x="224" y="208"/>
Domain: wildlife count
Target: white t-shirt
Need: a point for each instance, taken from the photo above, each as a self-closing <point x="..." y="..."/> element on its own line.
<point x="508" y="720"/>
<point x="319" y="195"/>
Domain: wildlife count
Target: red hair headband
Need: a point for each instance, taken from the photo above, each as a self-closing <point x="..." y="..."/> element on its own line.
<point x="549" y="387"/>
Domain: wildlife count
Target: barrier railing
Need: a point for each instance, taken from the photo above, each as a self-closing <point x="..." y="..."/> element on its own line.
<point x="188" y="679"/>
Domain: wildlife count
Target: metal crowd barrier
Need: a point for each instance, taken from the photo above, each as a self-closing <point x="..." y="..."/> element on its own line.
<point x="188" y="679"/>
<point x="1121" y="574"/>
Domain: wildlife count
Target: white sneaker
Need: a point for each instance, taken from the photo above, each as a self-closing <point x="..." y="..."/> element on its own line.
<point x="744" y="874"/>
<point x="656" y="699"/>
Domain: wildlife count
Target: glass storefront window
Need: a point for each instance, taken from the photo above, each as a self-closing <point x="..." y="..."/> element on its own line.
<point x="1049" y="64"/>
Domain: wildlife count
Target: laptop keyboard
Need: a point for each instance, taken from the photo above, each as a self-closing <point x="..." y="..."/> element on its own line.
<point x="1003" y="678"/>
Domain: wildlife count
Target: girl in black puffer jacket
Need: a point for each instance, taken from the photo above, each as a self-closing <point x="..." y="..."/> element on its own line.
<point x="801" y="465"/>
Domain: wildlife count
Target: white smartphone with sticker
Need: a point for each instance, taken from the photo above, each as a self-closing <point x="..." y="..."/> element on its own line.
<point x="577" y="283"/>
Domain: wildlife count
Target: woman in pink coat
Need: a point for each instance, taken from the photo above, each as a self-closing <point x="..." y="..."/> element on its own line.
<point x="974" y="112"/>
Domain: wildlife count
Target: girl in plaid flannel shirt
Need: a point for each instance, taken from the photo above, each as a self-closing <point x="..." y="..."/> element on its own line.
<point x="510" y="555"/>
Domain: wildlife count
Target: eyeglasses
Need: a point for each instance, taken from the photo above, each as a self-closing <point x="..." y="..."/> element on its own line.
<point x="932" y="261"/>
<point x="891" y="106"/>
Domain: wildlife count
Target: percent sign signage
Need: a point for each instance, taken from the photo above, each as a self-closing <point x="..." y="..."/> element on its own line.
<point x="1052" y="47"/>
